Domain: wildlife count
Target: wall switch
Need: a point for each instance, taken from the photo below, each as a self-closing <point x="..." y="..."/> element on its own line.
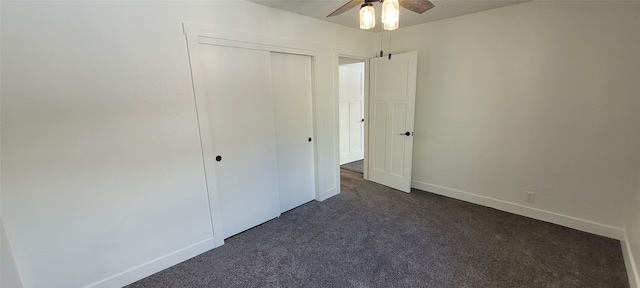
<point x="530" y="196"/>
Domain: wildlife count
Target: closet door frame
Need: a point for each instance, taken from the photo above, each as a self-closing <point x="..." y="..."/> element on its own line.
<point x="197" y="35"/>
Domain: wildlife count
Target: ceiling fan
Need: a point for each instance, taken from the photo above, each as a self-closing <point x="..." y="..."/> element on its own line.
<point x="390" y="11"/>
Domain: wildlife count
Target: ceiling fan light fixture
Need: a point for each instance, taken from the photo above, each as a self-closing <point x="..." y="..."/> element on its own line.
<point x="367" y="16"/>
<point x="390" y="14"/>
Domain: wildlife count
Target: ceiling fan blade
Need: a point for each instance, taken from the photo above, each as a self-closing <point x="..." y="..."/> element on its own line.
<point x="345" y="7"/>
<point x="418" y="6"/>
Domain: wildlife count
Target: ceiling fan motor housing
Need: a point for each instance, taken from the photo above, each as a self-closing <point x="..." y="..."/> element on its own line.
<point x="417" y="6"/>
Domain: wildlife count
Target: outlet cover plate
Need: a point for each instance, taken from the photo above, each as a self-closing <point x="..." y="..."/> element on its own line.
<point x="529" y="196"/>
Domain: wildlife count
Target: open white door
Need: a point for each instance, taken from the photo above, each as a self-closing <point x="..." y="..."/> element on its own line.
<point x="391" y="114"/>
<point x="351" y="95"/>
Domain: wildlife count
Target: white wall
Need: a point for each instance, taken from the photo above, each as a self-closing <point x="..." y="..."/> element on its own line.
<point x="102" y="170"/>
<point x="540" y="96"/>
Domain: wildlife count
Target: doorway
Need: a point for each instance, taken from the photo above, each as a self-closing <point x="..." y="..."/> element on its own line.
<point x="389" y="108"/>
<point x="352" y="88"/>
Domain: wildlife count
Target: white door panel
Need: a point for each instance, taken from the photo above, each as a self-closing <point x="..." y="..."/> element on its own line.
<point x="351" y="95"/>
<point x="292" y="91"/>
<point x="399" y="144"/>
<point x="345" y="128"/>
<point x="392" y="108"/>
<point x="355" y="121"/>
<point x="241" y="116"/>
<point x="378" y="146"/>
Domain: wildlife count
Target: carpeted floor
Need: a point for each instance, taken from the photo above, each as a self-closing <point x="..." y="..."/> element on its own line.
<point x="374" y="236"/>
<point x="355" y="166"/>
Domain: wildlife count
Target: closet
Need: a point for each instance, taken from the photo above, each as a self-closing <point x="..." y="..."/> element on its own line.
<point x="255" y="106"/>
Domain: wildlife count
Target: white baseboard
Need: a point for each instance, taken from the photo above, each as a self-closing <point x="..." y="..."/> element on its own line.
<point x="547" y="216"/>
<point x="629" y="263"/>
<point x="156" y="265"/>
<point x="328" y="194"/>
<point x="161" y="263"/>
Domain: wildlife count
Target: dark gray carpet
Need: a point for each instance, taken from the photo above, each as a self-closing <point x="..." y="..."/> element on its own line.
<point x="356" y="166"/>
<point x="373" y="236"/>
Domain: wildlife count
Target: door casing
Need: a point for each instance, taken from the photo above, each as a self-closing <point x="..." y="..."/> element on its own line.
<point x="364" y="57"/>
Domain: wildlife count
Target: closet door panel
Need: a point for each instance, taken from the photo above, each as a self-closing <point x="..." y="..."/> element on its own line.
<point x="292" y="92"/>
<point x="237" y="84"/>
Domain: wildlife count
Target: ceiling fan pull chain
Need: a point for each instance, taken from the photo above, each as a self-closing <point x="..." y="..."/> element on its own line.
<point x="389" y="45"/>
<point x="381" y="36"/>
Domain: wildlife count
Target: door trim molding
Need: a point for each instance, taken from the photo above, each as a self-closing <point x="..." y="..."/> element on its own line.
<point x="364" y="56"/>
<point x="242" y="39"/>
<point x="205" y="137"/>
<point x="254" y="46"/>
<point x="629" y="261"/>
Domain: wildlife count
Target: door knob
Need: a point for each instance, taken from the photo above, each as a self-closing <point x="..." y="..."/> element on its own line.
<point x="362" y="120"/>
<point x="218" y="158"/>
<point x="406" y="133"/>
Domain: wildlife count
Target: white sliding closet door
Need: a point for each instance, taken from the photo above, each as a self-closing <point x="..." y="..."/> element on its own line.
<point x="292" y="90"/>
<point x="237" y="86"/>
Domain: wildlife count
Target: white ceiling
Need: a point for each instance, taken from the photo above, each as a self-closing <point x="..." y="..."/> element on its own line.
<point x="319" y="9"/>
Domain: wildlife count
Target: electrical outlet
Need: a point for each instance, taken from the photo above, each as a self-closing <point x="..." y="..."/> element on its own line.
<point x="529" y="196"/>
